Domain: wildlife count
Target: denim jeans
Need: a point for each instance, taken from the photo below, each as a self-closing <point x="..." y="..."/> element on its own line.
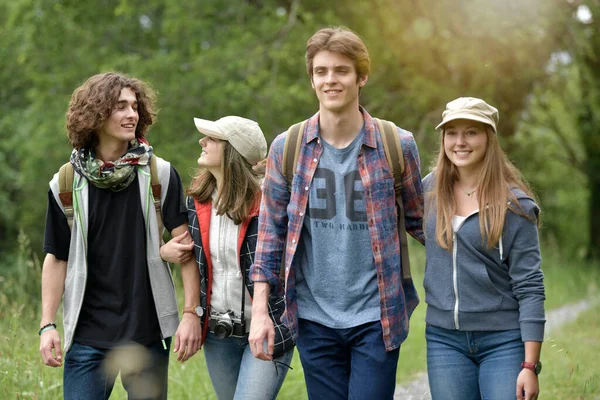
<point x="236" y="374"/>
<point x="90" y="372"/>
<point x="346" y="363"/>
<point x="473" y="365"/>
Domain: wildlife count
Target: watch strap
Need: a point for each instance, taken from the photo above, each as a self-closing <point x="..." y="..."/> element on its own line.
<point x="191" y="310"/>
<point x="534" y="366"/>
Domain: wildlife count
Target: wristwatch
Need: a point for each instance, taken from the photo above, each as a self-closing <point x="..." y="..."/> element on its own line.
<point x="196" y="310"/>
<point x="535" y="367"/>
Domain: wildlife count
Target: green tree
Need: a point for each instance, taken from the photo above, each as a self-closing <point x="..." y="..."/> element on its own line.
<point x="587" y="56"/>
<point x="549" y="139"/>
<point x="246" y="57"/>
<point x="560" y="135"/>
<point x="209" y="61"/>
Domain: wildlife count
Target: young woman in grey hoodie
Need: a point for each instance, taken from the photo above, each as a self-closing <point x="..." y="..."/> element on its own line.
<point x="483" y="283"/>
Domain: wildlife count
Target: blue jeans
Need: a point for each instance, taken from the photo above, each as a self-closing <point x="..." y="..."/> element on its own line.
<point x="236" y="374"/>
<point x="346" y="363"/>
<point x="473" y="365"/>
<point x="90" y="372"/>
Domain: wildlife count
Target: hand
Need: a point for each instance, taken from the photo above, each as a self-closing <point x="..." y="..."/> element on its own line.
<point x="527" y="385"/>
<point x="187" y="337"/>
<point x="261" y="329"/>
<point x="178" y="250"/>
<point x="49" y="342"/>
<point x="260" y="167"/>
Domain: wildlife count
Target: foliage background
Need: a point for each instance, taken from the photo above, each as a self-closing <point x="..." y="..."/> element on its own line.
<point x="534" y="60"/>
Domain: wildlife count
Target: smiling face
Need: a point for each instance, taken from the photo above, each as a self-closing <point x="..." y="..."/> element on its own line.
<point x="212" y="154"/>
<point x="465" y="143"/>
<point x="121" y="124"/>
<point x="336" y="82"/>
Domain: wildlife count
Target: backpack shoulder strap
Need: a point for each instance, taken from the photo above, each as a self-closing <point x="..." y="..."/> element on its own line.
<point x="65" y="190"/>
<point x="156" y="193"/>
<point x="395" y="159"/>
<point x="291" y="151"/>
<point x="392" y="148"/>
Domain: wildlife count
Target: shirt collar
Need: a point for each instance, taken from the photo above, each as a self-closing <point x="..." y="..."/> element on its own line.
<point x="312" y="128"/>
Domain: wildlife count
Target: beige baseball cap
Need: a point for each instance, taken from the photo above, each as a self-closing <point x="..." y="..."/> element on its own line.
<point x="244" y="135"/>
<point x="470" y="108"/>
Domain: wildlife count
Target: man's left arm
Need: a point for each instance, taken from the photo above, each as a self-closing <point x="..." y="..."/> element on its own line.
<point x="412" y="189"/>
<point x="187" y="337"/>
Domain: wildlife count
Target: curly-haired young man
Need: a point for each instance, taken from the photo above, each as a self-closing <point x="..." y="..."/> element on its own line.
<point x="117" y="290"/>
<point x="336" y="226"/>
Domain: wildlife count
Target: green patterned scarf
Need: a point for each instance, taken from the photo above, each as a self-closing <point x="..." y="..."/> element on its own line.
<point x="116" y="175"/>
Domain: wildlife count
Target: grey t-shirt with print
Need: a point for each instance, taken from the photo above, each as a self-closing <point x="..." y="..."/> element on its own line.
<point x="336" y="279"/>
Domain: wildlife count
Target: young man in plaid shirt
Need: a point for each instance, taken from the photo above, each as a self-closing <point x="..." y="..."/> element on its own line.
<point x="337" y="226"/>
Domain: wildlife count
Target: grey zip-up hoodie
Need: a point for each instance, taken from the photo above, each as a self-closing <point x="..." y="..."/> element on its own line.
<point x="161" y="281"/>
<point x="476" y="288"/>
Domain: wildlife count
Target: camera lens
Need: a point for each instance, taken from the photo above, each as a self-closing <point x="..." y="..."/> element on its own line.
<point x="223" y="330"/>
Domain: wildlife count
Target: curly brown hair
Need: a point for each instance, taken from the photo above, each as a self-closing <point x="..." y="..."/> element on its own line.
<point x="94" y="101"/>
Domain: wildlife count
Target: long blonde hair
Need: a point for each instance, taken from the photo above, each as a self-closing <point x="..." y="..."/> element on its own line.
<point x="239" y="191"/>
<point x="495" y="179"/>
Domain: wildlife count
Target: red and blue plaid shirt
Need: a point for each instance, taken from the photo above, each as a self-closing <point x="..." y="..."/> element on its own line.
<point x="282" y="215"/>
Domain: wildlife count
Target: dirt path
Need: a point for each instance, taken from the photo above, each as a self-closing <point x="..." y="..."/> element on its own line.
<point x="418" y="389"/>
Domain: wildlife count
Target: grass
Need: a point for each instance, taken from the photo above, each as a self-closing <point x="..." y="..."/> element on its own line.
<point x="570" y="356"/>
<point x="571" y="368"/>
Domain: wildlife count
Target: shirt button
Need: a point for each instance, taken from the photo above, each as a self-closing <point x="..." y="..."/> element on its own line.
<point x="305" y="187"/>
<point x="293" y="240"/>
<point x="301" y="214"/>
<point x="314" y="160"/>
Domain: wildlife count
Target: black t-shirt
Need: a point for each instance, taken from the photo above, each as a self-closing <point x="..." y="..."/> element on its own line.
<point x="118" y="304"/>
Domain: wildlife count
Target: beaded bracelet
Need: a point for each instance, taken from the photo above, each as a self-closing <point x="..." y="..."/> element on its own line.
<point x="46" y="327"/>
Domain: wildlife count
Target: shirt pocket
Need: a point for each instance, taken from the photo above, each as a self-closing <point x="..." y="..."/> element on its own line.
<point x="438" y="283"/>
<point x="477" y="291"/>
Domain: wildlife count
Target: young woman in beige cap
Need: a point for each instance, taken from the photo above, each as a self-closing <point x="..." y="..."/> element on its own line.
<point x="223" y="203"/>
<point x="483" y="283"/>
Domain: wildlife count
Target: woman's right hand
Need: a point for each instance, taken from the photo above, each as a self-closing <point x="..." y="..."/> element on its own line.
<point x="178" y="250"/>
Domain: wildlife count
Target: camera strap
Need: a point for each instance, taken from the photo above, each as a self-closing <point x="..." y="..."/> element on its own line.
<point x="243" y="297"/>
